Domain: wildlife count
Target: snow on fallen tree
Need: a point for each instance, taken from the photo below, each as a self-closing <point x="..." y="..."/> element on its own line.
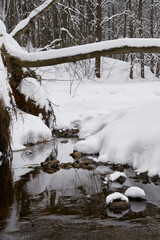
<point x="77" y="53"/>
<point x="128" y="136"/>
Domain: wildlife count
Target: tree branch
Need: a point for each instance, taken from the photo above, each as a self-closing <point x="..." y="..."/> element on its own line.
<point x="36" y="13"/>
<point x="77" y="53"/>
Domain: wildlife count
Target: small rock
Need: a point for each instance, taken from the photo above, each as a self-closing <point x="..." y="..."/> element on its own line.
<point x="135" y="193"/>
<point x="155" y="178"/>
<point x="126" y="165"/>
<point x="83" y="166"/>
<point x="121" y="179"/>
<point x="118" y="176"/>
<point x="67" y="165"/>
<point x="76" y="130"/>
<point x="76" y="165"/>
<point x="117" y="202"/>
<point x="91" y="167"/>
<point x="76" y="155"/>
<point x="50" y="164"/>
<point x="143" y="176"/>
<point x="37" y="168"/>
<point x="64" y="141"/>
<point x="43" y="164"/>
<point x="50" y="171"/>
<point x="61" y="165"/>
<point x="87" y="161"/>
<point x="117" y="167"/>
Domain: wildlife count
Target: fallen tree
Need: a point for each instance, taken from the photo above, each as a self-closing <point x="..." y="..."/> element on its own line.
<point x="77" y="53"/>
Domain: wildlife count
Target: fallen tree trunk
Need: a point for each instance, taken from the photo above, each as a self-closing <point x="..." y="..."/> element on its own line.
<point x="77" y="53"/>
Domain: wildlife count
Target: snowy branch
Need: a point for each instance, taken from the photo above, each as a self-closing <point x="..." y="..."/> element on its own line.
<point x="37" y="12"/>
<point x="77" y="53"/>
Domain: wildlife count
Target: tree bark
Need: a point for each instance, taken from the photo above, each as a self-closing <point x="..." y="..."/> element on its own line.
<point x="131" y="36"/>
<point x="98" y="38"/>
<point x="47" y="59"/>
<point x="140" y="12"/>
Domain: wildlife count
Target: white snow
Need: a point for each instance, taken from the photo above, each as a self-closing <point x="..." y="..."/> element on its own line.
<point x="28" y="129"/>
<point x="135" y="192"/>
<point x="82" y="49"/>
<point x="118" y="118"/>
<point x="2" y="29"/>
<point x="34" y="90"/>
<point x="129" y="136"/>
<point x="116" y="196"/>
<point x="105" y="180"/>
<point x="4" y="85"/>
<point x="114" y="176"/>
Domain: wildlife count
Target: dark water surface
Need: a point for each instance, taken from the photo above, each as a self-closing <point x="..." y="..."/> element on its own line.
<point x="38" y="205"/>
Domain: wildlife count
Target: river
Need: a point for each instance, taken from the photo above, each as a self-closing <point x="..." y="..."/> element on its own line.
<point x="70" y="203"/>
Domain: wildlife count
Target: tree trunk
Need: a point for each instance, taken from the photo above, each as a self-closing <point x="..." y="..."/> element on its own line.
<point x="98" y="38"/>
<point x="131" y="36"/>
<point x="152" y="34"/>
<point x="140" y="12"/>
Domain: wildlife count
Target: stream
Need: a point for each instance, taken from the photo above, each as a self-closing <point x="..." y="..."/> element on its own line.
<point x="70" y="203"/>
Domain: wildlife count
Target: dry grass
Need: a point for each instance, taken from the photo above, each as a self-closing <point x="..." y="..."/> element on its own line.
<point x="4" y="128"/>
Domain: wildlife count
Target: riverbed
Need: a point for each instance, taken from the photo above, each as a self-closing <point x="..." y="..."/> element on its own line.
<point x="71" y="203"/>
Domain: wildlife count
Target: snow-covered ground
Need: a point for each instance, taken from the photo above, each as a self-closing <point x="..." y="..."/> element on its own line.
<point x="118" y="117"/>
<point x="91" y="97"/>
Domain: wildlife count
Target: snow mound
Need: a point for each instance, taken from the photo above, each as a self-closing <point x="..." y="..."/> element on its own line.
<point x="128" y="136"/>
<point x="28" y="129"/>
<point x="116" y="196"/>
<point x="114" y="176"/>
<point x="135" y="192"/>
<point x="32" y="89"/>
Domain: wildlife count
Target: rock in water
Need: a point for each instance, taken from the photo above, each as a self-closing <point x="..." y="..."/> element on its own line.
<point x="118" y="176"/>
<point x="135" y="192"/>
<point x="117" y="202"/>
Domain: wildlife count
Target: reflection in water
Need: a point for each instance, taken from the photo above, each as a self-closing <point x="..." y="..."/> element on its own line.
<point x="6" y="191"/>
<point x="26" y="192"/>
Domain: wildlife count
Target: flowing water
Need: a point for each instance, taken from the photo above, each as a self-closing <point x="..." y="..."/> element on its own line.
<point x="70" y="204"/>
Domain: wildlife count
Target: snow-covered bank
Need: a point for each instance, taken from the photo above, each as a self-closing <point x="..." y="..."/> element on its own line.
<point x="118" y="117"/>
<point x="83" y="98"/>
<point x="25" y="128"/>
<point x="28" y="129"/>
<point x="127" y="136"/>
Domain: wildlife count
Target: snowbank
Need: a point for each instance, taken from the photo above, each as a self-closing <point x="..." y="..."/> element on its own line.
<point x="28" y="129"/>
<point x="128" y="136"/>
<point x="34" y="90"/>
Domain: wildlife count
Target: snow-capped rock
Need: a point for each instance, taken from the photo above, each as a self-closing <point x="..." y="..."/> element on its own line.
<point x="135" y="192"/>
<point x="116" y="196"/>
<point x="118" y="176"/>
